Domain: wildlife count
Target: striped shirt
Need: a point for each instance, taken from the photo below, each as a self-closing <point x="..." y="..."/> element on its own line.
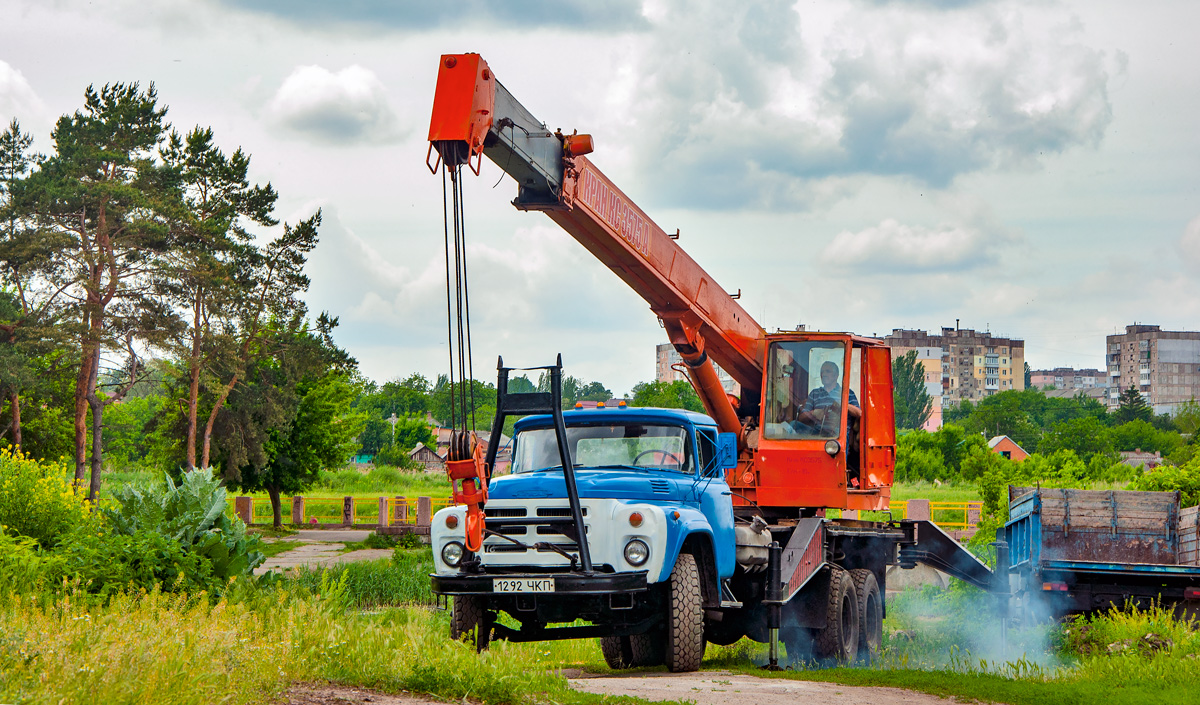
<point x="819" y="398"/>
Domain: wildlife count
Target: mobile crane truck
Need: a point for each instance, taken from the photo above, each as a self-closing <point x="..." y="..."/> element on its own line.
<point x="666" y="529"/>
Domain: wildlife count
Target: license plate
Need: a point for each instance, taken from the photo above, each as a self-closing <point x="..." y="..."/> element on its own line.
<point x="522" y="584"/>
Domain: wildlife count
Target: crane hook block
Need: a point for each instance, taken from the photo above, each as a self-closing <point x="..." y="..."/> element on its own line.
<point x="468" y="484"/>
<point x="464" y="107"/>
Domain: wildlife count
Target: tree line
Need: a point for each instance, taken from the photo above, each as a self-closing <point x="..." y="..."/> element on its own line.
<point x="1073" y="439"/>
<point x="140" y="262"/>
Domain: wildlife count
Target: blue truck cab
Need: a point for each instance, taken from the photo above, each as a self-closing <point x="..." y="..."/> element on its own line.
<point x="653" y="497"/>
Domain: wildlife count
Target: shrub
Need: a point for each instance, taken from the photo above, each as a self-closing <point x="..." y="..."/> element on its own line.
<point x="37" y="500"/>
<point x="192" y="514"/>
<point x="1186" y="479"/>
<point x="23" y="567"/>
<point x="107" y="563"/>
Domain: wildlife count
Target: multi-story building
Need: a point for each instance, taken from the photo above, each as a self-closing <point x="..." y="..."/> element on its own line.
<point x="666" y="357"/>
<point x="1068" y="378"/>
<point x="973" y="364"/>
<point x="1163" y="365"/>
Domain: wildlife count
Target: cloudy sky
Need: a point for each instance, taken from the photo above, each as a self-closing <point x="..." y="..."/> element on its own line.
<point x="1032" y="168"/>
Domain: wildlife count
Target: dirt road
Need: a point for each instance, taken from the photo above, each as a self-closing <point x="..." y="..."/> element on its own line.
<point x="718" y="688"/>
<point x="705" y="688"/>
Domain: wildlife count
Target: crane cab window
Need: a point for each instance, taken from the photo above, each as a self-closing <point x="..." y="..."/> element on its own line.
<point x="805" y="392"/>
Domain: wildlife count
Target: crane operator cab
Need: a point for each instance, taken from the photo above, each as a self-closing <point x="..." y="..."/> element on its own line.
<point x="820" y="390"/>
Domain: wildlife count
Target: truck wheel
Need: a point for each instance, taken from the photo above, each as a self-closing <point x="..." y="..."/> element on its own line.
<point x="685" y="623"/>
<point x="870" y="613"/>
<point x="648" y="649"/>
<point x="468" y="616"/>
<point x="617" y="652"/>
<point x="838" y="641"/>
<point x="723" y="633"/>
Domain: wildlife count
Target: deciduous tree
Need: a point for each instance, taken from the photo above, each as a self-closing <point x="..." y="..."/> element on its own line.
<point x="913" y="402"/>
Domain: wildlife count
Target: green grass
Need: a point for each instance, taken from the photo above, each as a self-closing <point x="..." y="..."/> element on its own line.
<point x="402" y="580"/>
<point x="249" y="650"/>
<point x="270" y="549"/>
<point x="965" y="492"/>
<point x="938" y="642"/>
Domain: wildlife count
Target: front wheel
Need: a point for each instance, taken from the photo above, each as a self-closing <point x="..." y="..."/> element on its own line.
<point x="469" y="617"/>
<point x="685" y="623"/>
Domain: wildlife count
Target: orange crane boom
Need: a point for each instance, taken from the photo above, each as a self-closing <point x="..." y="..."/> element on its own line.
<point x="844" y="462"/>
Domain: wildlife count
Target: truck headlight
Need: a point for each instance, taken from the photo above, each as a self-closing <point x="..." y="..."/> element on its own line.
<point x="452" y="554"/>
<point x="637" y="552"/>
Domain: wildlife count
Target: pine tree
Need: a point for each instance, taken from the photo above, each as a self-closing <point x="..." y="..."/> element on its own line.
<point x="212" y="246"/>
<point x="102" y="196"/>
<point x="1132" y="406"/>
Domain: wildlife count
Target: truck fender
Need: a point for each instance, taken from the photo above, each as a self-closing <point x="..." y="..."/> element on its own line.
<point x="693" y="535"/>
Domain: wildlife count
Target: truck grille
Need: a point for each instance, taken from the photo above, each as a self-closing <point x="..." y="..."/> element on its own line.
<point x="556" y="511"/>
<point x="504" y="512"/>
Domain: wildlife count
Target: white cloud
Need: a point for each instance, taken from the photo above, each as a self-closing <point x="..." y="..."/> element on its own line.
<point x="18" y="99"/>
<point x="893" y="246"/>
<point x="1189" y="244"/>
<point x="348" y="106"/>
<point x="744" y="105"/>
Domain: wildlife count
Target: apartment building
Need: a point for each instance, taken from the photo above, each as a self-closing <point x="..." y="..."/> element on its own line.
<point x="1163" y="365"/>
<point x="666" y="356"/>
<point x="973" y="364"/>
<point x="1068" y="378"/>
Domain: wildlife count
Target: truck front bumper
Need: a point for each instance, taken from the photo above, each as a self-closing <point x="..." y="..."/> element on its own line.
<point x="564" y="583"/>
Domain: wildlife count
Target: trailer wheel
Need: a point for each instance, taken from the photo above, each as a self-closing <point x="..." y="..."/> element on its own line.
<point x="468" y="616"/>
<point x="617" y="652"/>
<point x="685" y="623"/>
<point x="838" y="641"/>
<point x="870" y="613"/>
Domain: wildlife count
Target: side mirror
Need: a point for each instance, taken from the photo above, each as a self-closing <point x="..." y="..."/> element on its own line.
<point x="727" y="451"/>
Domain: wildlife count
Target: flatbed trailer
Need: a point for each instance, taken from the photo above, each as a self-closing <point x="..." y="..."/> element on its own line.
<point x="1086" y="551"/>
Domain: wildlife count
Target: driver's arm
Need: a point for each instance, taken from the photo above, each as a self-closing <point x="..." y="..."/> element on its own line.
<point x="806" y="414"/>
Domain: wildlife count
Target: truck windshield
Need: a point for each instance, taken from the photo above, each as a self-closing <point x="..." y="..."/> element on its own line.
<point x="804" y="392"/>
<point x="622" y="445"/>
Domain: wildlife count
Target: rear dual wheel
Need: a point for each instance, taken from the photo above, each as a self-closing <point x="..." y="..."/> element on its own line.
<point x="870" y="613"/>
<point x="838" y="641"/>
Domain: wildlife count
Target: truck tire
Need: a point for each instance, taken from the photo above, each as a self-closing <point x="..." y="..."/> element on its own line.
<point x="685" y="622"/>
<point x="618" y="653"/>
<point x="634" y="651"/>
<point x="838" y="641"/>
<point x="723" y="633"/>
<point x="468" y="617"/>
<point x="648" y="649"/>
<point x="870" y="613"/>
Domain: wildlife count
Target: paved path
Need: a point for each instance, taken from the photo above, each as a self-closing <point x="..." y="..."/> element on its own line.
<point x="720" y="688"/>
<point x="321" y="547"/>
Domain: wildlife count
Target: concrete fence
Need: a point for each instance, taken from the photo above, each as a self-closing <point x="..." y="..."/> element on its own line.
<point x="396" y="515"/>
<point x="384" y="514"/>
